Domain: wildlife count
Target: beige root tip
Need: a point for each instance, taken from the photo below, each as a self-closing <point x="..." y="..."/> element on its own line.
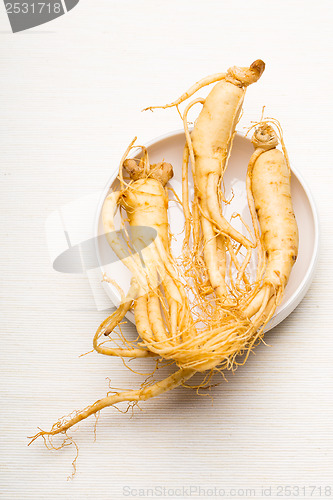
<point x="265" y="137"/>
<point x="162" y="172"/>
<point x="134" y="169"/>
<point x="242" y="77"/>
<point x="258" y="67"/>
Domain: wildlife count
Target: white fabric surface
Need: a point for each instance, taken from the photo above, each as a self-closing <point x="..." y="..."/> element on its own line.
<point x="72" y="92"/>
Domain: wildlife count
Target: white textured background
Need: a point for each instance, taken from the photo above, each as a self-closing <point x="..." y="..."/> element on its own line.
<point x="71" y="95"/>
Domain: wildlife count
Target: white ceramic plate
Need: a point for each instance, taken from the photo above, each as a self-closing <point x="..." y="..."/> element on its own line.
<point x="170" y="148"/>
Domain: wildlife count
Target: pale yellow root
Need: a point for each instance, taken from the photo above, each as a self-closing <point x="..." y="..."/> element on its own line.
<point x="188" y="152"/>
<point x="143" y="275"/>
<point x="132" y="262"/>
<point x="276" y="215"/>
<point x="166" y="322"/>
<point x="185" y="199"/>
<point x="192" y="90"/>
<point x="155" y="301"/>
<point x="122" y="162"/>
<point x="209" y="147"/>
<point x="238" y="76"/>
<point x="215" y="271"/>
<point x="161" y="308"/>
<point x="261" y="297"/>
<point x="214" y="152"/>
<point x="110" y="323"/>
<point x="255" y="224"/>
<point x="156" y="320"/>
<point x="142" y="322"/>
<point x="151" y="391"/>
<point x="268" y="183"/>
<point x="210" y="256"/>
<point x="221" y="254"/>
<point x="221" y="223"/>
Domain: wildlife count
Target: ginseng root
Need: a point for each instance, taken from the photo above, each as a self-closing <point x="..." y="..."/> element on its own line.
<point x="202" y="320"/>
<point x="269" y="194"/>
<point x="166" y="324"/>
<point x="209" y="145"/>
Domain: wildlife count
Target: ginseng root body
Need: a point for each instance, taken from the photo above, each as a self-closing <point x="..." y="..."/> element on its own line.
<point x="203" y="319"/>
<point x="163" y="316"/>
<point x="208" y="146"/>
<point x="269" y="194"/>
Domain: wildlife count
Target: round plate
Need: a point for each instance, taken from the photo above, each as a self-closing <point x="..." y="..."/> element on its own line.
<point x="169" y="147"/>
